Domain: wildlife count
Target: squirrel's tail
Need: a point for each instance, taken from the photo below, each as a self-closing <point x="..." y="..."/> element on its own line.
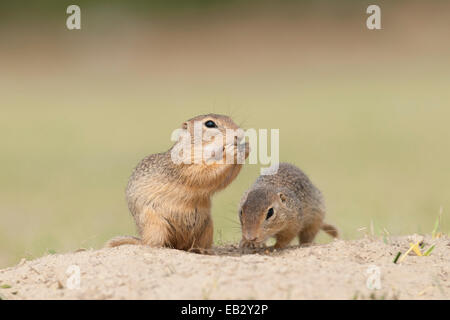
<point x="330" y="229"/>
<point x="120" y="240"/>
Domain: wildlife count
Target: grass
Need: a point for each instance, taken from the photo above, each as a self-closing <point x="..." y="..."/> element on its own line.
<point x="420" y="244"/>
<point x="429" y="250"/>
<point x="397" y="257"/>
<point x="436" y="233"/>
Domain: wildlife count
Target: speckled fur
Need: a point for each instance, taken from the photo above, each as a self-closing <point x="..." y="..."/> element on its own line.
<point x="298" y="206"/>
<point x="171" y="203"/>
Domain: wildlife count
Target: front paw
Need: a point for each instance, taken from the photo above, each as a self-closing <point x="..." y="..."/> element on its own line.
<point x="247" y="149"/>
<point x="200" y="251"/>
<point x="241" y="151"/>
<point x="251" y="246"/>
<point x="244" y="149"/>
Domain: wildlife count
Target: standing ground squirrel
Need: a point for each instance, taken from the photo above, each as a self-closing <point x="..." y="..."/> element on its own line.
<point x="171" y="202"/>
<point x="283" y="205"/>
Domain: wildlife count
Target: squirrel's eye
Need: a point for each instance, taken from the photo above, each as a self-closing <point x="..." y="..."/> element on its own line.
<point x="240" y="212"/>
<point x="210" y="124"/>
<point x="269" y="213"/>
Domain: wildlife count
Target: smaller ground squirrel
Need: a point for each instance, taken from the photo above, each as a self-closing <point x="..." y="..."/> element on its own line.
<point x="283" y="205"/>
<point x="170" y="200"/>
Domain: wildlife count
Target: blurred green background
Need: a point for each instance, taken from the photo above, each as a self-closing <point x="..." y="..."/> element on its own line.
<point x="364" y="113"/>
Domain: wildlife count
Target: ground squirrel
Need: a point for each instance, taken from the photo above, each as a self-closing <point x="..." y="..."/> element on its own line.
<point x="283" y="205"/>
<point x="169" y="201"/>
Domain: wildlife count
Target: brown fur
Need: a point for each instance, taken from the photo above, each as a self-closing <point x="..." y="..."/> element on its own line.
<point x="171" y="203"/>
<point x="298" y="209"/>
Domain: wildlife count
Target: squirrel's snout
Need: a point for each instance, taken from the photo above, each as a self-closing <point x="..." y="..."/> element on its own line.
<point x="250" y="237"/>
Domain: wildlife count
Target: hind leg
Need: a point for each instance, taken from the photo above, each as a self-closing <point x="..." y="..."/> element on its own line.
<point x="204" y="240"/>
<point x="156" y="231"/>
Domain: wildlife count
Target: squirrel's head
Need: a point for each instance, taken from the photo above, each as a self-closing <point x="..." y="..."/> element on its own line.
<point x="212" y="138"/>
<point x="263" y="214"/>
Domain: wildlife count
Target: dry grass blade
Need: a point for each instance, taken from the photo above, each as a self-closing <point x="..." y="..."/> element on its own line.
<point x="437" y="225"/>
<point x="416" y="248"/>
<point x="407" y="252"/>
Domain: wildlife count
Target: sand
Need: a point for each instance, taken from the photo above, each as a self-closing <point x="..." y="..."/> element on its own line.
<point x="338" y="270"/>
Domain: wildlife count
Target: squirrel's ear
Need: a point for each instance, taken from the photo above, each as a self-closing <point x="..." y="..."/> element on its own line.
<point x="282" y="197"/>
<point x="184" y="125"/>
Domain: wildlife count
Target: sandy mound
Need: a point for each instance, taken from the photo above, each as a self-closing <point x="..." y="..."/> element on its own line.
<point x="337" y="270"/>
